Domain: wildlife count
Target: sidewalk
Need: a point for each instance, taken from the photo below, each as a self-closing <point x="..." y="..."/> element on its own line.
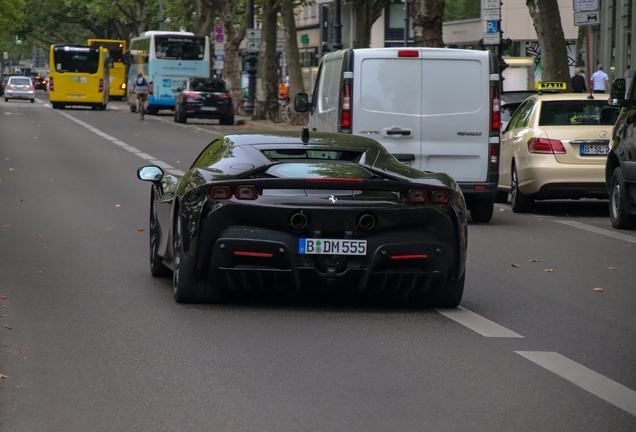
<point x="248" y="124"/>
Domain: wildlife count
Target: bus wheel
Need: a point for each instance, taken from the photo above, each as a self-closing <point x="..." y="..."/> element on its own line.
<point x="55" y="105"/>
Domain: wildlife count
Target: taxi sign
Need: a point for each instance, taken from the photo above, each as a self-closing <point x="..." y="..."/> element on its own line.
<point x="552" y="86"/>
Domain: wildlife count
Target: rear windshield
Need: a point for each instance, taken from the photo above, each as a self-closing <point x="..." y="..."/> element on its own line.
<point x="76" y="59"/>
<point x="20" y="81"/>
<point x="208" y="85"/>
<point x="578" y="112"/>
<point x="318" y="170"/>
<point x="115" y="50"/>
<point x="312" y="154"/>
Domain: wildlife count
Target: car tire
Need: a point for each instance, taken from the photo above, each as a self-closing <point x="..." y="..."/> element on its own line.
<point x="518" y="201"/>
<point x="446" y="296"/>
<point x="481" y="210"/>
<point x="32" y="100"/>
<point x="227" y="120"/>
<point x="6" y="99"/>
<point x="184" y="287"/>
<point x="618" y="201"/>
<point x="157" y="268"/>
<point x="182" y="116"/>
<point x="501" y="197"/>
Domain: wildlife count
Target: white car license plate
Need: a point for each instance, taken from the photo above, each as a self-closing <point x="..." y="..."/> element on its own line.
<point x="594" y="150"/>
<point x="332" y="247"/>
<point x="208" y="108"/>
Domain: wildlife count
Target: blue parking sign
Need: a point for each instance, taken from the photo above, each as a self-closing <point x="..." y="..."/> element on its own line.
<point x="491" y="27"/>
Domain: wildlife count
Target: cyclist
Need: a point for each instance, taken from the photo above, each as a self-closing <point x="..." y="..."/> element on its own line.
<point x="140" y="88"/>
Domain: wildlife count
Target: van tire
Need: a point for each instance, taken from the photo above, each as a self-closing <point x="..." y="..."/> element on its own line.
<point x="618" y="195"/>
<point x="501" y="197"/>
<point x="481" y="210"/>
<point x="518" y="201"/>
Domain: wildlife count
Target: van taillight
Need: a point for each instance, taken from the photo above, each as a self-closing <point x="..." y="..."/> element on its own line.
<point x="494" y="154"/>
<point x="408" y="53"/>
<point x="495" y="114"/>
<point x="151" y="87"/>
<point x="101" y="85"/>
<point x="345" y="107"/>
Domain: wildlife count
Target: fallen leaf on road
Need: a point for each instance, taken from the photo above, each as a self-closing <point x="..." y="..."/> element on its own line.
<point x="38" y="235"/>
<point x="549" y="270"/>
<point x="515" y="265"/>
<point x="4" y="297"/>
<point x="534" y="260"/>
<point x="503" y="210"/>
<point x="8" y="327"/>
<point x="611" y="268"/>
<point x="8" y="226"/>
<point x="3" y="315"/>
<point x="40" y="272"/>
<point x="11" y="169"/>
<point x="598" y="289"/>
<point x="3" y="376"/>
<point x="140" y="229"/>
<point x="117" y="205"/>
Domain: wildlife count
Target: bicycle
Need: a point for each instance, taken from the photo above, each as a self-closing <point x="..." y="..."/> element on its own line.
<point x="239" y="106"/>
<point x="141" y="98"/>
<point x="280" y="111"/>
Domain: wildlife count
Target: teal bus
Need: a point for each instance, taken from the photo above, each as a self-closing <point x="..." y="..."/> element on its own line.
<point x="166" y="59"/>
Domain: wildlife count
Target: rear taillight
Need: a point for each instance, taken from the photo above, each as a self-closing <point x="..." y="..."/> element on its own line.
<point x="224" y="96"/>
<point x="439" y="197"/>
<point x="220" y="192"/>
<point x="31" y="87"/>
<point x="123" y="86"/>
<point x="190" y="95"/>
<point x="246" y="192"/>
<point x="101" y="85"/>
<point x="345" y="107"/>
<point x="495" y="114"/>
<point x="51" y="88"/>
<point x="494" y="154"/>
<point x="151" y="87"/>
<point x="545" y="146"/>
<point x="417" y="196"/>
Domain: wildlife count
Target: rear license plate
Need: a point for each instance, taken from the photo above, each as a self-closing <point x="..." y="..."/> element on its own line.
<point x="209" y="108"/>
<point x="75" y="96"/>
<point x="332" y="247"/>
<point x="594" y="150"/>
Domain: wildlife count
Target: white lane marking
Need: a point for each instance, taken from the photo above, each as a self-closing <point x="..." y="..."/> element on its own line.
<point x="593" y="382"/>
<point x="600" y="231"/>
<point x="478" y="323"/>
<point x="182" y="125"/>
<point x="123" y="145"/>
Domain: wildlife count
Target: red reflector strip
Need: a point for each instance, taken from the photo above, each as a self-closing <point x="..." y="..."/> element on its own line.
<point x="480" y="187"/>
<point x="331" y="179"/>
<point x="399" y="257"/>
<point x="254" y="254"/>
<point x="408" y="53"/>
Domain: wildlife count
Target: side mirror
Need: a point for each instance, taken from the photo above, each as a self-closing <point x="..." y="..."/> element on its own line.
<point x="150" y="173"/>
<point x="617" y="93"/>
<point x="301" y="102"/>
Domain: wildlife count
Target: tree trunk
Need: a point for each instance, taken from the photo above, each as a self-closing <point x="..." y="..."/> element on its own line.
<point x="233" y="64"/>
<point x="367" y="13"/>
<point x="554" y="56"/>
<point x="292" y="55"/>
<point x="266" y="77"/>
<point x="427" y="16"/>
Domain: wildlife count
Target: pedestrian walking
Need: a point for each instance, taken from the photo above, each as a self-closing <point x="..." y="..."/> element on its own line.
<point x="599" y="81"/>
<point x="578" y="82"/>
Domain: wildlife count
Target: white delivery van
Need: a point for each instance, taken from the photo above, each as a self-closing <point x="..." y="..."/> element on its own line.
<point x="435" y="109"/>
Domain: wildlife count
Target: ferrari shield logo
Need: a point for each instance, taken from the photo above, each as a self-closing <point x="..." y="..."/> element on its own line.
<point x="333" y="199"/>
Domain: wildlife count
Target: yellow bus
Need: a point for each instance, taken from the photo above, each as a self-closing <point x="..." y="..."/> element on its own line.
<point x="116" y="49"/>
<point x="78" y="76"/>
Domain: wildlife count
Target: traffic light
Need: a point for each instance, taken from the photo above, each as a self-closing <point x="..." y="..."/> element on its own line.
<point x="17" y="39"/>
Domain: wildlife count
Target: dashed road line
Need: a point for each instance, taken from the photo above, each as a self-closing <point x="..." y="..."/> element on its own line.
<point x="478" y="323"/>
<point x="593" y="382"/>
<point x="601" y="231"/>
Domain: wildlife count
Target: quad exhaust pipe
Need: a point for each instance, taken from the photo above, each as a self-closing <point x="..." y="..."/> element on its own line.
<point x="298" y="221"/>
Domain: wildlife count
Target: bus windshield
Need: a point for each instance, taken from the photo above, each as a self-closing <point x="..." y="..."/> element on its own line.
<point x="180" y="47"/>
<point x="114" y="50"/>
<point x="76" y="59"/>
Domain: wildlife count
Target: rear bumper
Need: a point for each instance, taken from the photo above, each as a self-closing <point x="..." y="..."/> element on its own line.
<point x="197" y="112"/>
<point x="557" y="180"/>
<point x="19" y="95"/>
<point x="477" y="191"/>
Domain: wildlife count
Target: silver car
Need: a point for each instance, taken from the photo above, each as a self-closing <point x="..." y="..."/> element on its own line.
<point x="19" y="87"/>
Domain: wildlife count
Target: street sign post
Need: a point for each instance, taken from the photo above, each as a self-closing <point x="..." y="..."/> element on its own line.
<point x="587" y="18"/>
<point x="491" y="14"/>
<point x="491" y="27"/>
<point x="253" y="34"/>
<point x="491" y="39"/>
<point x="585" y="5"/>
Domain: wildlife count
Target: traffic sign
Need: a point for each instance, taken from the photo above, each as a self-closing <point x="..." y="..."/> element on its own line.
<point x="255" y="46"/>
<point x="492" y="4"/>
<point x="585" y="5"/>
<point x="218" y="28"/>
<point x="491" y="27"/>
<point x="252" y="34"/>
<point x="6" y="55"/>
<point x="218" y="37"/>
<point x="588" y="18"/>
<point x="491" y="39"/>
<point x="219" y="47"/>
<point x="491" y="14"/>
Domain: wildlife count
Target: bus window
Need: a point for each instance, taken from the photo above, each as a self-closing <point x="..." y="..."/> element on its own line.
<point x="180" y="48"/>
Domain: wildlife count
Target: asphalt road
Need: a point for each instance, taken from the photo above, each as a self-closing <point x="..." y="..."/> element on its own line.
<point x="92" y="342"/>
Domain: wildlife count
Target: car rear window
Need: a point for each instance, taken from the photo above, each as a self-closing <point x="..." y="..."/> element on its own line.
<point x="20" y="81"/>
<point x="577" y="112"/>
<point x="208" y="85"/>
<point x="318" y="170"/>
<point x="312" y="154"/>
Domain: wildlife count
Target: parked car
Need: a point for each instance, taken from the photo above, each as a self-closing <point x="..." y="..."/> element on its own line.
<point x="555" y="147"/>
<point x="620" y="168"/>
<point x="19" y="87"/>
<point x="510" y="101"/>
<point x="204" y="98"/>
<point x="3" y="82"/>
<point x="281" y="212"/>
<point x="435" y="109"/>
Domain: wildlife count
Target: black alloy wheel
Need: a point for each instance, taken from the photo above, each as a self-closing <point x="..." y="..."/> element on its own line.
<point x="618" y="195"/>
<point x="518" y="201"/>
<point x="157" y="268"/>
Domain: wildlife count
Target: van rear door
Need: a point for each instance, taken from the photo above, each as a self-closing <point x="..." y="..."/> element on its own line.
<point x="456" y="113"/>
<point x="387" y="101"/>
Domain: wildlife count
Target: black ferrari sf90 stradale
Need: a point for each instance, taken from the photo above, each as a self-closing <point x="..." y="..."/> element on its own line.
<point x="293" y="212"/>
